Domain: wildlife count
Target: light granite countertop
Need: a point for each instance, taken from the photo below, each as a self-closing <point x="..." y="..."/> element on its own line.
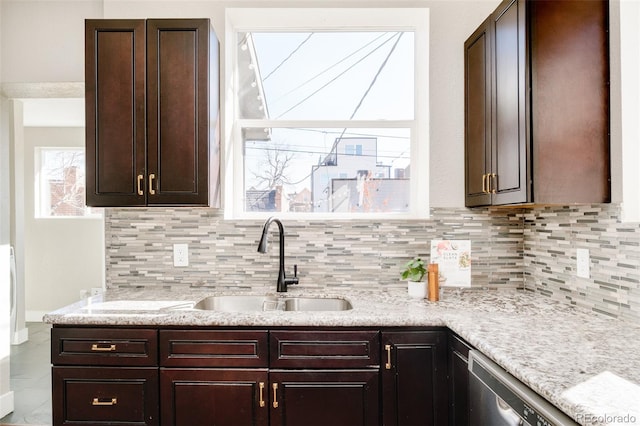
<point x="585" y="364"/>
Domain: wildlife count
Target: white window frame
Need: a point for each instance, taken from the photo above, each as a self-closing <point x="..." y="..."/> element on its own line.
<point x="334" y="19"/>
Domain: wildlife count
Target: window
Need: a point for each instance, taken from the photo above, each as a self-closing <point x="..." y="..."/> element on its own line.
<point x="353" y="149"/>
<point x="60" y="188"/>
<point x="327" y="120"/>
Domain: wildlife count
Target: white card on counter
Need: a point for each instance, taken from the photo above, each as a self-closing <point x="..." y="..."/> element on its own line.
<point x="454" y="262"/>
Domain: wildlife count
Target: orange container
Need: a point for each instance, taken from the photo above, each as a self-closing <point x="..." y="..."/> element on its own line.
<point x="433" y="288"/>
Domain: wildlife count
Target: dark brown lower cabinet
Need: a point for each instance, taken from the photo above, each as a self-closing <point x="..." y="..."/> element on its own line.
<point x="253" y="377"/>
<point x="221" y="397"/>
<point x="458" y="381"/>
<point x="105" y="396"/>
<point x="414" y="378"/>
<point x="324" y="397"/>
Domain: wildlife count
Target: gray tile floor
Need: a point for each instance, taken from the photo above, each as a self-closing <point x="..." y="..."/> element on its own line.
<point x="31" y="378"/>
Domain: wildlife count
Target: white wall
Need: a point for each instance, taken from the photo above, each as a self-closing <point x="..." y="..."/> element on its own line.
<point x="626" y="97"/>
<point x="43" y="41"/>
<point x="6" y="395"/>
<point x="62" y="255"/>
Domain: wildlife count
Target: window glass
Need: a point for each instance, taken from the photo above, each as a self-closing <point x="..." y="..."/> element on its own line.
<point x="333" y="170"/>
<point x="328" y="75"/>
<point x="60" y="183"/>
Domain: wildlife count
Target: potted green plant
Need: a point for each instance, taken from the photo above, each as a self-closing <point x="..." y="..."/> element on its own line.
<point x="414" y="272"/>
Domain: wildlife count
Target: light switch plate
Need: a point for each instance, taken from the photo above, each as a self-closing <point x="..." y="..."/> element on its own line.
<point x="181" y="255"/>
<point x="583" y="262"/>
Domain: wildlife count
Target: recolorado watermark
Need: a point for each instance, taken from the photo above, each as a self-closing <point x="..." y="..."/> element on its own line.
<point x="607" y="418"/>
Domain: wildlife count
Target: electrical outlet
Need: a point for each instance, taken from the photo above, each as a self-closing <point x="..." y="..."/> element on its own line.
<point x="96" y="291"/>
<point x="583" y="263"/>
<point x="181" y="255"/>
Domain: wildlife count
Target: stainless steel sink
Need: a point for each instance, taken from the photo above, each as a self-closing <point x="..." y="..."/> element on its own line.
<point x="316" y="304"/>
<point x="239" y="303"/>
<point x="252" y="303"/>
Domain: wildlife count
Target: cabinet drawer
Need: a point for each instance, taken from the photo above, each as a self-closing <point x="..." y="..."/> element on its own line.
<point x="324" y="349"/>
<point x="105" y="395"/>
<point x="224" y="348"/>
<point x="104" y="346"/>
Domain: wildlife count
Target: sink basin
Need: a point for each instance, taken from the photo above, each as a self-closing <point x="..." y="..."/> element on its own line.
<point x="238" y="303"/>
<point x="252" y="303"/>
<point x="316" y="304"/>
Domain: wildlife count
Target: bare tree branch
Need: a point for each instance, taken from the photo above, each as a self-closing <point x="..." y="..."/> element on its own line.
<point x="273" y="168"/>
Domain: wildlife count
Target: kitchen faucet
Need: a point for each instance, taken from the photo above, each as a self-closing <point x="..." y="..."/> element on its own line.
<point x="283" y="281"/>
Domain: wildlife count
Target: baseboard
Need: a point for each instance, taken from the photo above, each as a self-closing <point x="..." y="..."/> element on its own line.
<point x="6" y="403"/>
<point x="20" y="336"/>
<point x="34" y="316"/>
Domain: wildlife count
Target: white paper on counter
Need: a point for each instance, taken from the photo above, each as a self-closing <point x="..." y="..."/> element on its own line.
<point x="454" y="262"/>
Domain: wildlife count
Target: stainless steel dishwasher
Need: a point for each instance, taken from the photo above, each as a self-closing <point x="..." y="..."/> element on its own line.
<point x="496" y="398"/>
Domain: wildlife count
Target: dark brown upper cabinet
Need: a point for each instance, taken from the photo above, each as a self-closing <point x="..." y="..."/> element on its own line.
<point x="537" y="105"/>
<point x="152" y="103"/>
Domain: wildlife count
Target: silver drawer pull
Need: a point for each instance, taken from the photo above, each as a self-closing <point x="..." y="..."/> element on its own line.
<point x="98" y="348"/>
<point x="104" y="401"/>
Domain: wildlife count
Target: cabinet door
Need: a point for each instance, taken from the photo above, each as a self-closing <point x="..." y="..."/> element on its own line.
<point x="178" y="111"/>
<point x="323" y="397"/>
<point x="105" y="395"/>
<point x="509" y="111"/>
<point x="194" y="397"/>
<point x="477" y="115"/>
<point x="570" y="101"/>
<point x="458" y="382"/>
<point x="414" y="378"/>
<point x="115" y="112"/>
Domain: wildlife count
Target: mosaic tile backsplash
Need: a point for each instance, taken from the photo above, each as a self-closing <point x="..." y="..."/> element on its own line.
<point x="223" y="254"/>
<point x="551" y="237"/>
<point x="517" y="248"/>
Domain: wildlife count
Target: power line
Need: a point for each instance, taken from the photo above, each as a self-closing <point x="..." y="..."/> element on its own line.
<point x="331" y="67"/>
<point x="375" y="78"/>
<point x="354" y="134"/>
<point x="302" y="151"/>
<point x="336" y="77"/>
<point x="329" y="132"/>
<point x="288" y="57"/>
